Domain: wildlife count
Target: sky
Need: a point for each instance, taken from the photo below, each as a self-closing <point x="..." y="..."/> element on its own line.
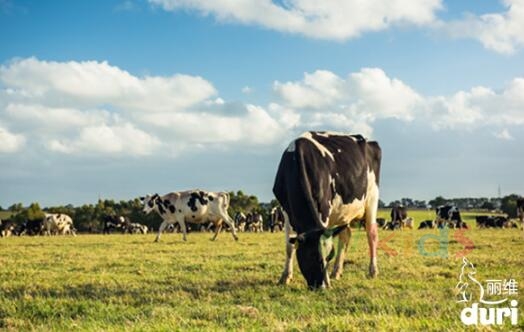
<point x="118" y="99"/>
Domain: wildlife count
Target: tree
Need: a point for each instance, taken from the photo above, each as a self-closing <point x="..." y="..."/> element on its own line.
<point x="438" y="201"/>
<point x="18" y="207"/>
<point x="509" y="205"/>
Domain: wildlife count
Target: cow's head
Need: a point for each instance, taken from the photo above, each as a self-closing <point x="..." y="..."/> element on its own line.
<point x="150" y="201"/>
<point x="314" y="252"/>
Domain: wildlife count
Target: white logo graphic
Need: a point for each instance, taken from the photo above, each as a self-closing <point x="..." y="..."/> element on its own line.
<point x="469" y="287"/>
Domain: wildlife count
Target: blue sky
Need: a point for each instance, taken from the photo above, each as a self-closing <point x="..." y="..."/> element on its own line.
<point x="116" y="99"/>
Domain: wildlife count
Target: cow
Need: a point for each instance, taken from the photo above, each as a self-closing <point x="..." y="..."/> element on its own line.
<point x="520" y="211"/>
<point x="493" y="222"/>
<point x="323" y="182"/>
<point x="254" y="222"/>
<point x="240" y="221"/>
<point x="277" y="219"/>
<point x="136" y="228"/>
<point x="198" y="206"/>
<point x="427" y="224"/>
<point x="31" y="227"/>
<point x="111" y="222"/>
<point x="409" y="222"/>
<point x="58" y="223"/>
<point x="448" y="216"/>
<point x="398" y="214"/>
<point x="7" y="228"/>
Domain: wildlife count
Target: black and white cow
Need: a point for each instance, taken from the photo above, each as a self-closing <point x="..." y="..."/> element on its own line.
<point x="398" y="214"/>
<point x="58" y="223"/>
<point x="115" y="223"/>
<point x="324" y="181"/>
<point x="520" y="211"/>
<point x="254" y="222"/>
<point x="277" y="219"/>
<point x="493" y="222"/>
<point x="31" y="227"/>
<point x="448" y="216"/>
<point x="197" y="206"/>
<point x="240" y="221"/>
<point x="7" y="228"/>
<point x="427" y="224"/>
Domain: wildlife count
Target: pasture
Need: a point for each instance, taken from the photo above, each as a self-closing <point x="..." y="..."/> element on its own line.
<point x="127" y="282"/>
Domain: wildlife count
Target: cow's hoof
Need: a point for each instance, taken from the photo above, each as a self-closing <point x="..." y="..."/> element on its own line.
<point x="373" y="272"/>
<point x="285" y="279"/>
<point x="335" y="275"/>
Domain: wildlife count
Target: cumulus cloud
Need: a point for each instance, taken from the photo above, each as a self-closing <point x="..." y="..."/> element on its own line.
<point x="501" y="32"/>
<point x="354" y="103"/>
<point x="92" y="107"/>
<point x="78" y="112"/>
<point x="10" y="142"/>
<point x="504" y="135"/>
<point x="336" y="20"/>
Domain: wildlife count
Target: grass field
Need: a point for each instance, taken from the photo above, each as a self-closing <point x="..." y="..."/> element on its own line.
<point x="127" y="282"/>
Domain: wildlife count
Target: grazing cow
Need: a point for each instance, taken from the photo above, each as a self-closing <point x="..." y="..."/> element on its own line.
<point x="195" y="205"/>
<point x="324" y="181"/>
<point x="254" y="222"/>
<point x="7" y="228"/>
<point x="58" y="223"/>
<point x="398" y="214"/>
<point x="136" y="228"/>
<point x="427" y="224"/>
<point x="31" y="227"/>
<point x="277" y="219"/>
<point x="240" y="221"/>
<point x="492" y="222"/>
<point x="520" y="211"/>
<point x="448" y="216"/>
<point x="111" y="223"/>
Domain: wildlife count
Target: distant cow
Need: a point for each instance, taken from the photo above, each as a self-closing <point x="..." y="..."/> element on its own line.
<point x="398" y="214"/>
<point x="324" y="182"/>
<point x="254" y="222"/>
<point x="7" y="228"/>
<point x="31" y="227"/>
<point x="427" y="224"/>
<point x="115" y="223"/>
<point x="136" y="228"/>
<point x="408" y="222"/>
<point x="58" y="223"/>
<point x="277" y="219"/>
<point x="492" y="222"/>
<point x="240" y="221"/>
<point x="448" y="216"/>
<point x="520" y="211"/>
<point x="196" y="205"/>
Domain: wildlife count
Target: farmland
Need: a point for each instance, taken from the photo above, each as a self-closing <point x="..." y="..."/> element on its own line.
<point x="127" y="282"/>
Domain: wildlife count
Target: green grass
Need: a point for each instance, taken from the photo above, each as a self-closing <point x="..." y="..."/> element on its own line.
<point x="127" y="282"/>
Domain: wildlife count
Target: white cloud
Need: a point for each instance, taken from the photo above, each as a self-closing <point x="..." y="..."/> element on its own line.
<point x="504" y="135"/>
<point x="10" y="142"/>
<point x="122" y="139"/>
<point x="80" y="117"/>
<point x="501" y="32"/>
<point x="336" y="20"/>
<point x="91" y="84"/>
<point x="247" y="90"/>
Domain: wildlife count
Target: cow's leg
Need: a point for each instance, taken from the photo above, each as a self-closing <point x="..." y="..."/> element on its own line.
<point x="163" y="226"/>
<point x="218" y="227"/>
<point x="183" y="228"/>
<point x="227" y="219"/>
<point x="287" y="274"/>
<point x="372" y="231"/>
<point x="343" y="244"/>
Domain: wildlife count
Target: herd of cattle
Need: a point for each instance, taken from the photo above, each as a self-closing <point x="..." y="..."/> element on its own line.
<point x="325" y="182"/>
